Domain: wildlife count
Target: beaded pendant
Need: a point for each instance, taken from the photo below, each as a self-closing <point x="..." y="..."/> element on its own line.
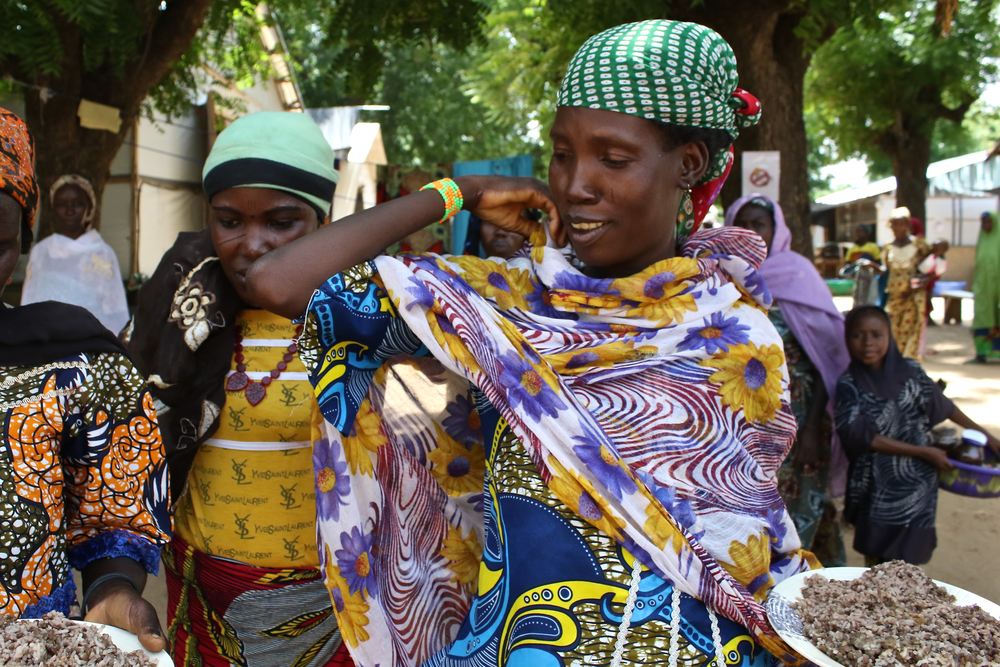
<point x="256" y="391"/>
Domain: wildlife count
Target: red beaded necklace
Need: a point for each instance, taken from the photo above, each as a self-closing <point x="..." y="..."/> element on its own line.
<point x="256" y="391"/>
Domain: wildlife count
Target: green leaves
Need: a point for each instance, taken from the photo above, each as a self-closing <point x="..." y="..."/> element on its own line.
<point x="878" y="81"/>
<point x="368" y="29"/>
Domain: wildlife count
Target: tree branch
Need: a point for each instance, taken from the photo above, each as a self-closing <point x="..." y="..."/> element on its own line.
<point x="956" y="115"/>
<point x="172" y="33"/>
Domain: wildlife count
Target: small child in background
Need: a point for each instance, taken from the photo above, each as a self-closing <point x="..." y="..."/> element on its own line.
<point x="935" y="264"/>
<point x="884" y="409"/>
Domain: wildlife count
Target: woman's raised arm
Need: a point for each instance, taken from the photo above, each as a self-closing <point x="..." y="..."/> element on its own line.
<point x="283" y="280"/>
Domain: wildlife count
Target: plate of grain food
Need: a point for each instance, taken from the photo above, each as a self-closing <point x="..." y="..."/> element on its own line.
<point x="55" y="640"/>
<point x="886" y="616"/>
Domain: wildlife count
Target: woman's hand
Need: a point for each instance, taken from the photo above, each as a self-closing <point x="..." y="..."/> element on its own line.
<point x="805" y="455"/>
<point x="937" y="458"/>
<point x="116" y="603"/>
<point x="502" y="201"/>
<point x="993" y="443"/>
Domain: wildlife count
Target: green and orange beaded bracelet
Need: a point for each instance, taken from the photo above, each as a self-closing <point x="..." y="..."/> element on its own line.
<point x="450" y="193"/>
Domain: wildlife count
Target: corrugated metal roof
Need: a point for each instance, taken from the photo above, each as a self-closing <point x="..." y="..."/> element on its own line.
<point x="935" y="171"/>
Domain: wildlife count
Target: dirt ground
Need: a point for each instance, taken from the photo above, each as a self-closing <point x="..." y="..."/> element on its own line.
<point x="968" y="553"/>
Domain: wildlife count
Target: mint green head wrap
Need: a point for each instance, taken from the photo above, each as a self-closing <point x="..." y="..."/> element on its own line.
<point x="281" y="150"/>
<point x="668" y="71"/>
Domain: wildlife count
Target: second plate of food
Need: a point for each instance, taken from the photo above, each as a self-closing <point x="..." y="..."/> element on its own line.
<point x="787" y="623"/>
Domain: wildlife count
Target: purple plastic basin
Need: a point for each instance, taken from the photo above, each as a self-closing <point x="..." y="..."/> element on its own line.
<point x="970" y="480"/>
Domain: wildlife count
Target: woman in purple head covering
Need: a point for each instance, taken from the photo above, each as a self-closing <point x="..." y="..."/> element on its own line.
<point x="812" y="330"/>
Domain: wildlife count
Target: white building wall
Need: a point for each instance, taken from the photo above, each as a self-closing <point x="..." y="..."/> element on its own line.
<point x="954" y="219"/>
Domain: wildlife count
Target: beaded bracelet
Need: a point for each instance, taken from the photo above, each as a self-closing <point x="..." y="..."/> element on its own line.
<point x="450" y="193"/>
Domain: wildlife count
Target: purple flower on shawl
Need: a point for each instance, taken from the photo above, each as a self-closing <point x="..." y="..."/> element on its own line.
<point x="679" y="508"/>
<point x="539" y="304"/>
<point x="477" y="501"/>
<point x="603" y="462"/>
<point x="526" y="388"/>
<point x="355" y="562"/>
<point x="643" y="334"/>
<point x="653" y="288"/>
<point x="582" y="359"/>
<point x="333" y="484"/>
<point x="445" y="324"/>
<point x="462" y="422"/>
<point x="421" y="295"/>
<point x="577" y="282"/>
<point x="338" y="598"/>
<point x="776" y="527"/>
<point x="588" y="507"/>
<point x="498" y="281"/>
<point x="754" y="283"/>
<point x="758" y="581"/>
<point x="716" y="335"/>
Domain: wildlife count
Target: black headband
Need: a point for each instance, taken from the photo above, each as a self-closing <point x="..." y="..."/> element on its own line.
<point x="255" y="170"/>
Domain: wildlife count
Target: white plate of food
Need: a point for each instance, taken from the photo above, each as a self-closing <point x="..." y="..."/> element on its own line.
<point x="888" y="615"/>
<point x="33" y="641"/>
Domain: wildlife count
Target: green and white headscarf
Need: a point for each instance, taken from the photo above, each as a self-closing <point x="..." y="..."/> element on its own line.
<point x="669" y="71"/>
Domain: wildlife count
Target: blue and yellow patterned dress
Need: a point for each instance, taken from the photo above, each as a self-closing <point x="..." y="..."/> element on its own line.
<point x="551" y="587"/>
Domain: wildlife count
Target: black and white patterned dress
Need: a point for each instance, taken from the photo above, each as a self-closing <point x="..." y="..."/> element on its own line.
<point x="891" y="499"/>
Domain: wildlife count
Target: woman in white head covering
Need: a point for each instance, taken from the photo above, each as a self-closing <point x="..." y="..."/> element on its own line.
<point x="74" y="265"/>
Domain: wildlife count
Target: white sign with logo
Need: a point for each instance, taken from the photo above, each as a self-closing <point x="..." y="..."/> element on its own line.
<point x="762" y="173"/>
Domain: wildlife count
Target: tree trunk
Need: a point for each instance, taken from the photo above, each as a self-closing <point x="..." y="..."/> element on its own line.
<point x="61" y="145"/>
<point x="910" y="158"/>
<point x="772" y="66"/>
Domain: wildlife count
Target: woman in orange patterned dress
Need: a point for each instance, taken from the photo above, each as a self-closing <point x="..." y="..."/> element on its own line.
<point x="83" y="479"/>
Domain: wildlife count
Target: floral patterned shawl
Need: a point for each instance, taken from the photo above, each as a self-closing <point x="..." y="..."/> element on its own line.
<point x="655" y="406"/>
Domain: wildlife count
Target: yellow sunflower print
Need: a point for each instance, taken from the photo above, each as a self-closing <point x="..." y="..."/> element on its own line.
<point x="578" y="302"/>
<point x="457" y="470"/>
<point x="750" y="560"/>
<point x="601" y="356"/>
<point x="464" y="555"/>
<point x="659" y="281"/>
<point x="750" y="378"/>
<point x="350" y="608"/>
<point x="446" y="337"/>
<point x="364" y="440"/>
<point x="505" y="285"/>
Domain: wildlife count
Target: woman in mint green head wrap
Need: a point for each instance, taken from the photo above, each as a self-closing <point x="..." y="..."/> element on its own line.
<point x="597" y="484"/>
<point x="236" y="409"/>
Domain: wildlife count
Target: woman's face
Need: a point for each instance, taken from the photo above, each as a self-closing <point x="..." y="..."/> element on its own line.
<point x="868" y="341"/>
<point x="249" y="222"/>
<point x="70" y="205"/>
<point x="901" y="228"/>
<point x="617" y="190"/>
<point x="10" y="237"/>
<point x="861" y="234"/>
<point x="987" y="222"/>
<point x="756" y="219"/>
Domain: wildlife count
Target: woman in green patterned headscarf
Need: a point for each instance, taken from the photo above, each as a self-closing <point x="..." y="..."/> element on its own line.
<point x="605" y="494"/>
